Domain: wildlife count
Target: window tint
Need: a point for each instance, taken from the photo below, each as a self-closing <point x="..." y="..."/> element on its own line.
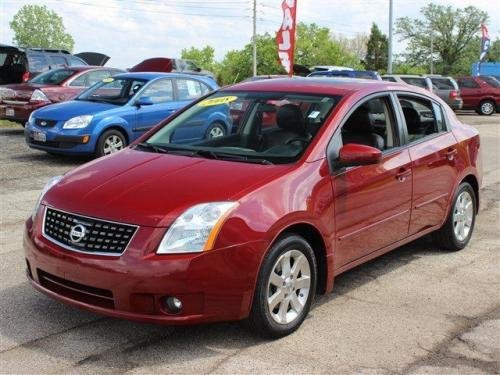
<point x="57" y="60"/>
<point x="371" y="124"/>
<point x="467" y="83"/>
<point x="188" y="89"/>
<point x="37" y="63"/>
<point x="422" y="117"/>
<point x="415" y="81"/>
<point x="53" y="77"/>
<point x="160" y="91"/>
<point x="443" y="84"/>
<point x="492" y="81"/>
<point x="75" y="61"/>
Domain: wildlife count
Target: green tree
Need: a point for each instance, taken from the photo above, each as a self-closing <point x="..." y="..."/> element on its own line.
<point x="204" y="57"/>
<point x="450" y="30"/>
<point x="494" y="54"/>
<point x="376" y="50"/>
<point x="37" y="26"/>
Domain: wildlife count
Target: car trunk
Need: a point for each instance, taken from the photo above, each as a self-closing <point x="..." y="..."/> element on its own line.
<point x="156" y="64"/>
<point x="93" y="58"/>
<point x="12" y="64"/>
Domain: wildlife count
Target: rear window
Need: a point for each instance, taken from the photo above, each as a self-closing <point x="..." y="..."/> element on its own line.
<point x="390" y="79"/>
<point x="492" y="81"/>
<point x="53" y="77"/>
<point x="443" y="84"/>
<point x="3" y="56"/>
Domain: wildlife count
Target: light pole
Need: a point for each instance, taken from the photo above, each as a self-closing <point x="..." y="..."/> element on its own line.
<point x="254" y="39"/>
<point x="389" y="57"/>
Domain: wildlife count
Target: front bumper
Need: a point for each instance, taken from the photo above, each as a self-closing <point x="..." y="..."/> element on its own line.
<point x="73" y="142"/>
<point x="214" y="286"/>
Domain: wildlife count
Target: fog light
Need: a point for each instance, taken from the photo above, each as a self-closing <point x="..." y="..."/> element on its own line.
<point x="85" y="139"/>
<point x="174" y="305"/>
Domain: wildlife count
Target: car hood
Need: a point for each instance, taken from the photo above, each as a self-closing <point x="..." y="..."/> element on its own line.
<point x="152" y="189"/>
<point x="65" y="111"/>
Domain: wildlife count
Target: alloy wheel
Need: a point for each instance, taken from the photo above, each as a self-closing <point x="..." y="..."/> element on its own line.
<point x="216" y="132"/>
<point x="288" y="286"/>
<point x="112" y="144"/>
<point x="463" y="214"/>
<point x="487" y="108"/>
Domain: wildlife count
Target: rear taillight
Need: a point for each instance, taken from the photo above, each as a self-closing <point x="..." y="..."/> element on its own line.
<point x="454" y="94"/>
<point x="26" y="76"/>
<point x="39" y="97"/>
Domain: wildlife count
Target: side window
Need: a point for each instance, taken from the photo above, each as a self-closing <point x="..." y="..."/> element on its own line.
<point x="79" y="81"/>
<point x="75" y="61"/>
<point x="442" y="84"/>
<point x="467" y="83"/>
<point x="390" y="79"/>
<point x="371" y="124"/>
<point x="37" y="63"/>
<point x="420" y="82"/>
<point x="422" y="117"/>
<point x="160" y="91"/>
<point x="96" y="76"/>
<point x="57" y="61"/>
<point x="188" y="89"/>
<point x="204" y="89"/>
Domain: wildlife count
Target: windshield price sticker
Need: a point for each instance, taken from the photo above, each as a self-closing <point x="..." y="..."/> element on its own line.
<point x="108" y="80"/>
<point x="217" y="101"/>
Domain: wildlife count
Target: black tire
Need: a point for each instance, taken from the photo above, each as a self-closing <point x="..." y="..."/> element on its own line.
<point x="216" y="127"/>
<point x="261" y="318"/>
<point x="486" y="107"/>
<point x="101" y="147"/>
<point x="446" y="237"/>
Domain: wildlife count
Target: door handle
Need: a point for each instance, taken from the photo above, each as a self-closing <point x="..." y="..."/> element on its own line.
<point x="450" y="153"/>
<point x="402" y="174"/>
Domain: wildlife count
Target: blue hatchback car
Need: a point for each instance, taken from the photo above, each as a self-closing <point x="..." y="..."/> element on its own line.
<point x="117" y="110"/>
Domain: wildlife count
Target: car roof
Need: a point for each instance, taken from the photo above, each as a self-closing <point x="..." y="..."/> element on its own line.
<point x="316" y="85"/>
<point x="153" y="75"/>
<point x="404" y="75"/>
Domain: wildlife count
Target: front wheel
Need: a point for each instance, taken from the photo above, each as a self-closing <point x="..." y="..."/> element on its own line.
<point x="285" y="288"/>
<point x="216" y="130"/>
<point x="457" y="231"/>
<point x="109" y="142"/>
<point x="486" y="108"/>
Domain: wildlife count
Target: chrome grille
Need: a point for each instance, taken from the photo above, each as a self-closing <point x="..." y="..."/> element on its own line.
<point x="85" y="234"/>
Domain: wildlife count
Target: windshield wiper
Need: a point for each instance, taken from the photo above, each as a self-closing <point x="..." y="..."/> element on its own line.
<point x="149" y="146"/>
<point x="223" y="156"/>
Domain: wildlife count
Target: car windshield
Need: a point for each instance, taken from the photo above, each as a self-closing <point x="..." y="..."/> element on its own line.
<point x="265" y="128"/>
<point x="53" y="77"/>
<point x="492" y="81"/>
<point x="116" y="91"/>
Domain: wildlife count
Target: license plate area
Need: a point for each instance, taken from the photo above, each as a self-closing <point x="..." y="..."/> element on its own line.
<point x="10" y="112"/>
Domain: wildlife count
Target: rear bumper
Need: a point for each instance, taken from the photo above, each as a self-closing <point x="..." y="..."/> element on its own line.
<point x="214" y="286"/>
<point x="21" y="112"/>
<point x="456" y="104"/>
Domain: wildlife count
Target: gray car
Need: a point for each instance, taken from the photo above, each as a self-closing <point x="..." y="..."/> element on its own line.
<point x="409" y="79"/>
<point x="447" y="89"/>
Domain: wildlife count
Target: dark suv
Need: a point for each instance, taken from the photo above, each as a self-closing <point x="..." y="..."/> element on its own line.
<point x="21" y="64"/>
<point x="481" y="93"/>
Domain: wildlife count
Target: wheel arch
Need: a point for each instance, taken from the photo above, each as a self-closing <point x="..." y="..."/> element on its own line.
<point x="313" y="236"/>
<point x="472" y="180"/>
<point x="117" y="127"/>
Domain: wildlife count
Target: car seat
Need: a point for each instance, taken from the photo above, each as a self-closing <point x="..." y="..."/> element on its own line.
<point x="359" y="129"/>
<point x="291" y="125"/>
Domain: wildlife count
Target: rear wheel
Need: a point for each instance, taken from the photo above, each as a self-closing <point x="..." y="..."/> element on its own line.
<point x="486" y="107"/>
<point x="457" y="231"/>
<point x="109" y="142"/>
<point x="285" y="288"/>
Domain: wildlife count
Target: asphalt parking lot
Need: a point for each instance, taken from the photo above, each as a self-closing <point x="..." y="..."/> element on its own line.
<point x="416" y="310"/>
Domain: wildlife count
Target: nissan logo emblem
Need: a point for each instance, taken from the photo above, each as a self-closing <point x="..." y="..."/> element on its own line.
<point x="77" y="233"/>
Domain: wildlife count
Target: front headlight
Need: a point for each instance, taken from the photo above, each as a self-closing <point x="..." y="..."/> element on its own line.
<point x="46" y="188"/>
<point x="30" y="119"/>
<point x="196" y="229"/>
<point x="78" y="122"/>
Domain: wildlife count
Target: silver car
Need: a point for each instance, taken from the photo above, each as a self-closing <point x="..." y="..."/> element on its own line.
<point x="409" y="79"/>
<point x="447" y="89"/>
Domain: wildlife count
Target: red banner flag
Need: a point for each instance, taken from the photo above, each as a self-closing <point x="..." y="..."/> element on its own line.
<point x="285" y="37"/>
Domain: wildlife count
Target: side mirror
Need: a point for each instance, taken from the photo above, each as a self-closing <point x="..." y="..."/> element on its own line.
<point x="356" y="154"/>
<point x="144" y="100"/>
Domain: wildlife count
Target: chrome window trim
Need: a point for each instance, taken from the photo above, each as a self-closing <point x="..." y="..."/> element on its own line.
<point x="64" y="246"/>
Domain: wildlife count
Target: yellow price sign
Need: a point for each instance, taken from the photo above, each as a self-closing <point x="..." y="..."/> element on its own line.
<point x="217" y="101"/>
<point x="108" y="80"/>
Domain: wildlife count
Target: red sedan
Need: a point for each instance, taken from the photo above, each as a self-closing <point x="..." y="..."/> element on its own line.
<point x="255" y="223"/>
<point x="17" y="101"/>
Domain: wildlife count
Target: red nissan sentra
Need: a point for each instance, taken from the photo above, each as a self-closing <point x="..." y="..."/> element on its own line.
<point x="255" y="223"/>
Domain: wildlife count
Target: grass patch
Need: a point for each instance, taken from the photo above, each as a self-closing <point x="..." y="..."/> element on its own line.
<point x="9" y="124"/>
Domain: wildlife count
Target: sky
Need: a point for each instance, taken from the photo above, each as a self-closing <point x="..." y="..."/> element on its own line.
<point x="132" y="30"/>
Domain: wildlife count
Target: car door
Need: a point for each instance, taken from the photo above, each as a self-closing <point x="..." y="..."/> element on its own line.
<point x="372" y="202"/>
<point x="433" y="149"/>
<point x="470" y="91"/>
<point x="161" y="95"/>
